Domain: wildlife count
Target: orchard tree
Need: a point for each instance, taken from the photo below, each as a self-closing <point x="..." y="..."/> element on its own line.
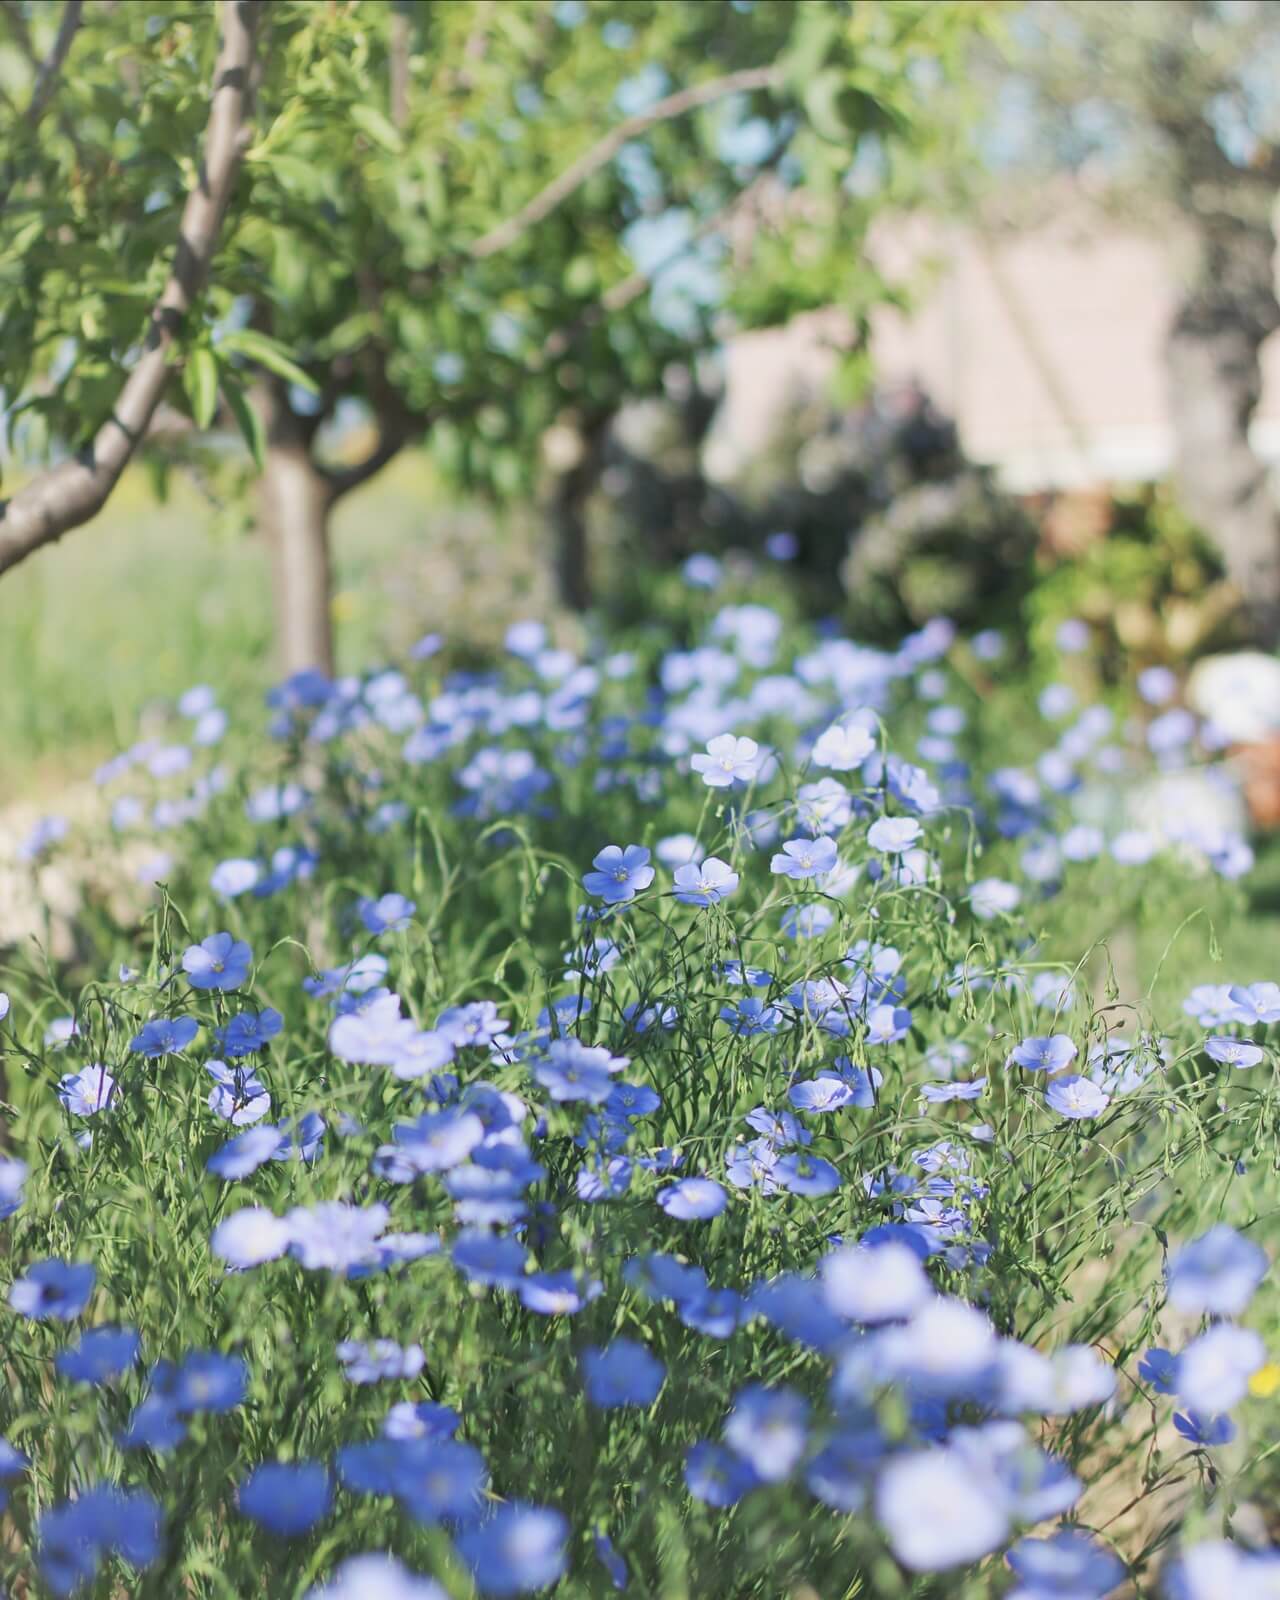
<point x="419" y="214"/>
<point x="1168" y="109"/>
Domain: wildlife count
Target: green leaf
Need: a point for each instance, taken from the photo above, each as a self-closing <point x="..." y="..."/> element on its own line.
<point x="247" y="420"/>
<point x="831" y="104"/>
<point x="268" y="353"/>
<point x="200" y="380"/>
<point x="371" y="121"/>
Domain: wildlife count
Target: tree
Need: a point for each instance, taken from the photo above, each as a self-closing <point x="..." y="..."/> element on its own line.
<point x="1167" y="108"/>
<point x="76" y="489"/>
<point x="431" y="228"/>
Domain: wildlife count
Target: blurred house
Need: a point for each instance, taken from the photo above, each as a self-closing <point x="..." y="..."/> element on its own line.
<point x="1044" y="347"/>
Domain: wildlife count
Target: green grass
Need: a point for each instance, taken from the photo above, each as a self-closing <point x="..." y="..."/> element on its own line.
<point x="130" y="610"/>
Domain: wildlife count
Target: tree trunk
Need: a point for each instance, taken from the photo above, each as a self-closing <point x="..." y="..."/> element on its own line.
<point x="573" y="454"/>
<point x="1215" y="381"/>
<point x="296" y="499"/>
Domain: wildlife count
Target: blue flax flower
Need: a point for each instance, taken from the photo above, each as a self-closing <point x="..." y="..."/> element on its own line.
<point x="218" y="962"/>
<point x="621" y="872"/>
<point x="1046" y="1053"/>
<point x="164" y="1036"/>
<point x="1076" y="1098"/>
<point x="248" y="1032"/>
<point x="1216" y="1274"/>
<point x="768" y="1428"/>
<point x="804" y="858"/>
<point x="518" y="1549"/>
<point x="622" y="1374"/>
<point x="1070" y="1562"/>
<point x="716" y="1475"/>
<point x="75" y="1537"/>
<point x="57" y="1289"/>
<point x="1204" y="1432"/>
<point x="693" y="1199"/>
<point x="704" y="884"/>
<point x="102" y="1354"/>
<point x="287" y="1497"/>
<point x="390" y="914"/>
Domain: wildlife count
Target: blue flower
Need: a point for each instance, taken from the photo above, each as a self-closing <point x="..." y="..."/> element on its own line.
<point x="437" y="1479"/>
<point x="380" y="1361"/>
<point x="556" y="1294"/>
<point x="249" y="1237"/>
<point x="826" y="1092"/>
<point x="239" y="1096"/>
<point x="993" y="897"/>
<point x="803" y="1173"/>
<point x="704" y="884"/>
<point x="423" y="1420"/>
<point x="751" y="1017"/>
<point x="768" y="1428"/>
<point x="716" y="1475"/>
<point x="748" y="977"/>
<point x="804" y="858"/>
<point x="1204" y="1432"/>
<point x="476" y="1025"/>
<point x="892" y="835"/>
<point x="209" y="1381"/>
<point x="1070" y="1563"/>
<point x="155" y="1423"/>
<point x="365" y="1577"/>
<point x="245" y="1153"/>
<point x="632" y="1100"/>
<point x="842" y="747"/>
<point x="729" y="761"/>
<point x="610" y="1560"/>
<point x="1159" y="1368"/>
<point x="1051" y="1053"/>
<point x="164" y="1036"/>
<point x="248" y="1031"/>
<point x="286" y="1497"/>
<point x="621" y="872"/>
<point x="57" y="1289"/>
<point x="13" y="1175"/>
<point x="1216" y="1274"/>
<point x="1076" y="1098"/>
<point x="572" y="1070"/>
<point x="218" y="962"/>
<point x="941" y="1508"/>
<point x="623" y="1374"/>
<point x="693" y="1199"/>
<point x="1234" y="1052"/>
<point x="485" y="1258"/>
<point x="88" y="1091"/>
<point x="1213" y="1371"/>
<point x="518" y="1549"/>
<point x="940" y="1093"/>
<point x="102" y="1354"/>
<point x="882" y="1283"/>
<point x="390" y="914"/>
<point x="716" y="1313"/>
<point x="75" y="1537"/>
<point x="235" y="877"/>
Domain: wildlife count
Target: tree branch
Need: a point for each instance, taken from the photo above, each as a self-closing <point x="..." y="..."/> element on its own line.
<point x="74" y="491"/>
<point x="46" y="79"/>
<point x="604" y="150"/>
<point x="392" y="438"/>
<point x="47" y="76"/>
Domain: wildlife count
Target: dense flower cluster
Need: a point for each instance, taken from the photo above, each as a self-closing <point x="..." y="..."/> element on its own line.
<point x="766" y="1168"/>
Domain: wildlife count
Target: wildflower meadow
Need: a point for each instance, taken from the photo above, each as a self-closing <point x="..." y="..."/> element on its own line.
<point x="664" y="1118"/>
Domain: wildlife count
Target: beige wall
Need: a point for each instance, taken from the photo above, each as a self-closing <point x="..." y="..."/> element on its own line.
<point x="1048" y="357"/>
